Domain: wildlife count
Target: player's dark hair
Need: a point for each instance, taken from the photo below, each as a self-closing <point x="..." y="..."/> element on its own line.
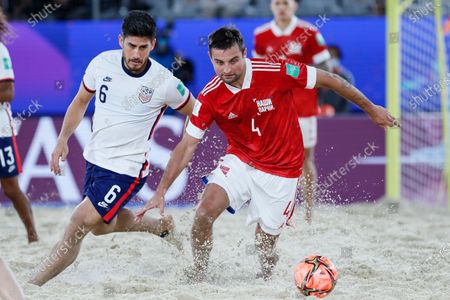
<point x="139" y="23"/>
<point x="337" y="49"/>
<point x="225" y="38"/>
<point x="4" y="28"/>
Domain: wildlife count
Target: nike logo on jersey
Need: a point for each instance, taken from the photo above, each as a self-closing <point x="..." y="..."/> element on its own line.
<point x="264" y="105"/>
<point x="107" y="79"/>
<point x="11" y="168"/>
<point x="232" y="116"/>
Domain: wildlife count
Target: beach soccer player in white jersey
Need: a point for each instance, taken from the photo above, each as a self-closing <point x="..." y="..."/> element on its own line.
<point x="132" y="92"/>
<point x="248" y="101"/>
<point x="10" y="165"/>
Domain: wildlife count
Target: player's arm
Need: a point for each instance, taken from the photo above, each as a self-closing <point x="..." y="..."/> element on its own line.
<point x="378" y="114"/>
<point x="187" y="109"/>
<point x="72" y="119"/>
<point x="200" y="119"/>
<point x="6" y="76"/>
<point x="179" y="159"/>
<point x="6" y="90"/>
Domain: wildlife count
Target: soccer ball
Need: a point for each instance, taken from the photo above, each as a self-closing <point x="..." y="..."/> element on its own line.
<point x="315" y="276"/>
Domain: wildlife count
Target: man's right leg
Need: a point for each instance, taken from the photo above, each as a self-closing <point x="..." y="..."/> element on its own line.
<point x="308" y="182"/>
<point x="64" y="253"/>
<point x="214" y="201"/>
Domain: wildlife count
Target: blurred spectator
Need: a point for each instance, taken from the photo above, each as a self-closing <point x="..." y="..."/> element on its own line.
<point x="163" y="52"/>
<point x="181" y="67"/>
<point x="328" y="97"/>
<point x="379" y="8"/>
<point x="185" y="71"/>
<point x="110" y="9"/>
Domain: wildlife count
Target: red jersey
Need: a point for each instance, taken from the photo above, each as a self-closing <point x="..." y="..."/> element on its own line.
<point x="300" y="42"/>
<point x="259" y="120"/>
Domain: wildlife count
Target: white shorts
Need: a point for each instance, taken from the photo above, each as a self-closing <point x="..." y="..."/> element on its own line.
<point x="272" y="198"/>
<point x="309" y="131"/>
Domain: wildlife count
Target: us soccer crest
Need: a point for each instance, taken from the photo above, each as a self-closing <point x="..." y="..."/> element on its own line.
<point x="145" y="94"/>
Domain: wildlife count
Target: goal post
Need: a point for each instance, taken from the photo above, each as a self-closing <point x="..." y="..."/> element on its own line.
<point x="418" y="154"/>
<point x="393" y="176"/>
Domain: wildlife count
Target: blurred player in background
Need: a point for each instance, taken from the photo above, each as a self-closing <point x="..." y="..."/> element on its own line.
<point x="340" y="105"/>
<point x="10" y="165"/>
<point x="9" y="288"/>
<point x="132" y="92"/>
<point x="287" y="37"/>
<point x="265" y="151"/>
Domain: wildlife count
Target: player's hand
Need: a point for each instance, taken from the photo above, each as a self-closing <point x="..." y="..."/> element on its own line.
<point x="382" y="117"/>
<point x="60" y="152"/>
<point x="156" y="201"/>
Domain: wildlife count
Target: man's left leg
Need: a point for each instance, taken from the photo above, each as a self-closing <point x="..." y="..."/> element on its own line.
<point x="265" y="246"/>
<point x="271" y="207"/>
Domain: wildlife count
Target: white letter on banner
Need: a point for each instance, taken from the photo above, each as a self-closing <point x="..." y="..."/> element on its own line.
<point x="45" y="140"/>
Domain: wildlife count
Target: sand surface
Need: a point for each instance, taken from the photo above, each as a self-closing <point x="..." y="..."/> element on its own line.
<point x="380" y="253"/>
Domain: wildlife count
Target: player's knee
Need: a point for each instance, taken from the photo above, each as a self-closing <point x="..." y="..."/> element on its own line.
<point x="204" y="215"/>
<point x="85" y="221"/>
<point x="12" y="194"/>
<point x="10" y="190"/>
<point x="98" y="231"/>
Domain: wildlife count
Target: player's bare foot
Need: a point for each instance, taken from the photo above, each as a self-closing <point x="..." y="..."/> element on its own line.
<point x="167" y="232"/>
<point x="32" y="238"/>
<point x="308" y="215"/>
<point x="267" y="268"/>
<point x="195" y="275"/>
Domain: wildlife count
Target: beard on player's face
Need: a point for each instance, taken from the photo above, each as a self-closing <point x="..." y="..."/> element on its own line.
<point x="136" y="51"/>
<point x="230" y="78"/>
<point x="229" y="64"/>
<point x="136" y="64"/>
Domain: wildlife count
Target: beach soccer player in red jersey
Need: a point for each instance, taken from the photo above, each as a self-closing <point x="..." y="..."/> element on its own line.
<point x="264" y="157"/>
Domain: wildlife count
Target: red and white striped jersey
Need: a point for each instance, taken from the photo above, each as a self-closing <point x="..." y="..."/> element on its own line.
<point x="259" y="120"/>
<point x="299" y="42"/>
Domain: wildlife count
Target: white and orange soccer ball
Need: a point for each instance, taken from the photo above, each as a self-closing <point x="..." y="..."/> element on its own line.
<point x="315" y="276"/>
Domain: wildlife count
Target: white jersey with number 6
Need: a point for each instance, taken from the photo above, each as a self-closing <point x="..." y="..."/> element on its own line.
<point x="127" y="108"/>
